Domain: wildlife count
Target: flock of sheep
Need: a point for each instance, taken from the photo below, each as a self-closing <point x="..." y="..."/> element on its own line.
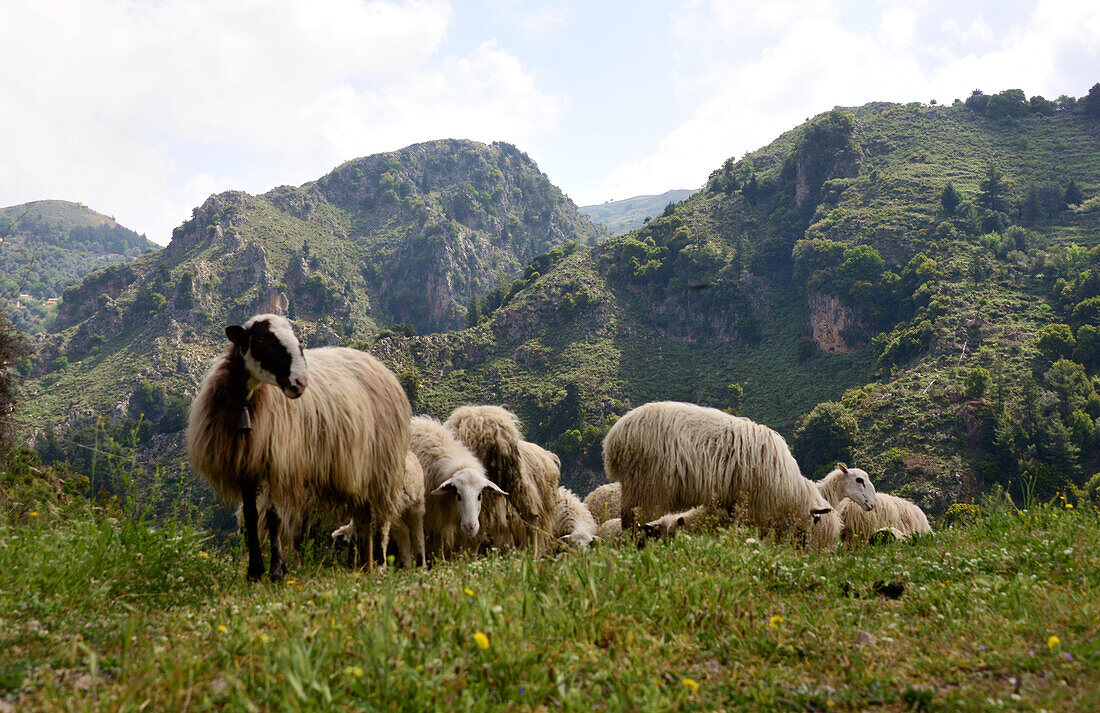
<point x="344" y="440"/>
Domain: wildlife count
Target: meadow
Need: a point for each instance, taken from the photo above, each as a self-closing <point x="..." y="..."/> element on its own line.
<point x="103" y="609"/>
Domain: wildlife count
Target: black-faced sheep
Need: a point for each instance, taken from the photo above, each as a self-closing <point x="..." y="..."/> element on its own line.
<point x="338" y="433"/>
<point x="460" y="495"/>
<point x="526" y="471"/>
<point x="670" y="456"/>
<point x="572" y="520"/>
<point x="604" y="502"/>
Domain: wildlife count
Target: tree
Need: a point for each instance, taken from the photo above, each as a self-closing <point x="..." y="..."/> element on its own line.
<point x="826" y="435"/>
<point x="1068" y="379"/>
<point x="977" y="101"/>
<point x="993" y="190"/>
<point x="1073" y="193"/>
<point x="1092" y="102"/>
<point x="1055" y="341"/>
<point x="950" y="199"/>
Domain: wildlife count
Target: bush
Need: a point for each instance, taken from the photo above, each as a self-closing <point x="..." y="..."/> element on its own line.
<point x="978" y="382"/>
<point x="961" y="514"/>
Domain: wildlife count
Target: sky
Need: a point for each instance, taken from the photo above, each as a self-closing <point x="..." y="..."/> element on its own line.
<point x="140" y="109"/>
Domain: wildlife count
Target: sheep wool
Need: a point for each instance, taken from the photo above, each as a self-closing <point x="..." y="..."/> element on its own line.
<point x="890" y="512"/>
<point x="670" y="456"/>
<point x="605" y="502"/>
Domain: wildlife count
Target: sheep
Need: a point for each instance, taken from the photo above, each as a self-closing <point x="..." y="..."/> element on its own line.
<point x="890" y="512"/>
<point x="851" y="483"/>
<point x="673" y="522"/>
<point x="670" y="455"/>
<point x="610" y="530"/>
<point x="572" y="520"/>
<point x="604" y="502"/>
<point x="339" y="437"/>
<point x="408" y="529"/>
<point x="455" y="480"/>
<point x="526" y="471"/>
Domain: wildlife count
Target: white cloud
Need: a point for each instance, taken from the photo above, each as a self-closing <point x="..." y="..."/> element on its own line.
<point x="140" y="110"/>
<point x="814" y="58"/>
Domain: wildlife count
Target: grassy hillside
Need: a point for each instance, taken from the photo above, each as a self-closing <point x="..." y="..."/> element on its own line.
<point x="104" y="611"/>
<point x="47" y="245"/>
<point x="629" y="214"/>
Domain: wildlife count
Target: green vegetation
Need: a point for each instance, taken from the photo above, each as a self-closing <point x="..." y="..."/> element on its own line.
<point x="103" y="610"/>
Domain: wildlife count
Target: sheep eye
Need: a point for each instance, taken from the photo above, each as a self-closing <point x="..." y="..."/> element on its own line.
<point x="859" y="480"/>
<point x="459" y="496"/>
<point x="479" y="497"/>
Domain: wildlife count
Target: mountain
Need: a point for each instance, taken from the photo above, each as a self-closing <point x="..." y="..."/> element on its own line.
<point x="903" y="287"/>
<point x="50" y="244"/>
<point x="628" y="214"/>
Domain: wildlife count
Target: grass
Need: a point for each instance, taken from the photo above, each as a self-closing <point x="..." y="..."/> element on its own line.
<point x="102" y="610"/>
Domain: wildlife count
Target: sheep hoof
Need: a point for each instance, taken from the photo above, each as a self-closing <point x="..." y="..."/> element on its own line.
<point x="278" y="572"/>
<point x="255" y="574"/>
<point x="893" y="590"/>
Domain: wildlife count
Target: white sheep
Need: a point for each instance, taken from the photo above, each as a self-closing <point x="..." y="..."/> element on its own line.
<point x="526" y="471"/>
<point x="455" y="481"/>
<point x="572" y="520"/>
<point x="604" y="502"/>
<point x="673" y="522"/>
<point x="890" y="512"/>
<point x="669" y="456"/>
<point x="339" y="437"/>
<point x="848" y="483"/>
<point x="610" y="530"/>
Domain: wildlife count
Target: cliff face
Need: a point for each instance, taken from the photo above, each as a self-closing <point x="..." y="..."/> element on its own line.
<point x="831" y="321"/>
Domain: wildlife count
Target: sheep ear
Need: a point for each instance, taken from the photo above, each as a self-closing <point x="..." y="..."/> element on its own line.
<point x="843" y="468"/>
<point x="236" y="334"/>
<point x="449" y="483"/>
<point x="680" y="522"/>
<point x="821" y="511"/>
<point x="496" y="488"/>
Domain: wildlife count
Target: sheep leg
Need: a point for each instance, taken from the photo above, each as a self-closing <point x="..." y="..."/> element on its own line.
<point x="417" y="526"/>
<point x="278" y="565"/>
<point x="251" y="531"/>
<point x="364" y="530"/>
<point x="385" y="535"/>
<point x="404" y="546"/>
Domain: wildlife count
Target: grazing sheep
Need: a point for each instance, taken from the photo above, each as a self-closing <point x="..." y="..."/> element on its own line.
<point x="851" y="483"/>
<point x="455" y="481"/>
<point x="605" y="502"/>
<point x="671" y="455"/>
<point x="610" y="530"/>
<point x="526" y="471"/>
<point x="572" y="520"/>
<point x="339" y="437"/>
<point x="673" y="522"/>
<point x="890" y="512"/>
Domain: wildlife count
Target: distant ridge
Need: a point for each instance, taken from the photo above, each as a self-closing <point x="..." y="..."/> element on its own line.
<point x="630" y="213"/>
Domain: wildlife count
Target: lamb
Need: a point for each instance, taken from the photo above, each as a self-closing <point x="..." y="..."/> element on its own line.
<point x="610" y="530"/>
<point x="604" y="502"/>
<point x="526" y="471"/>
<point x="669" y="456"/>
<point x="339" y="437"/>
<point x="455" y="480"/>
<point x="408" y="529"/>
<point x="572" y="520"/>
<point x="890" y="512"/>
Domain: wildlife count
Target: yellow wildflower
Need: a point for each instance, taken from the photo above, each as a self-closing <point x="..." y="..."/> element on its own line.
<point x="690" y="684"/>
<point x="222" y="628"/>
<point x="353" y="671"/>
<point x="775" y="621"/>
<point x="264" y="638"/>
<point x="34" y="513"/>
<point x="290" y="581"/>
<point x="481" y="640"/>
<point x="1053" y="642"/>
<point x="468" y="592"/>
<point x="203" y="555"/>
<point x="830" y="703"/>
<point x="1069" y="506"/>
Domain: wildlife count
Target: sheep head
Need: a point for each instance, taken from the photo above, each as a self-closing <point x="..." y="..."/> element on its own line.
<point x="271" y="353"/>
<point x="467" y="486"/>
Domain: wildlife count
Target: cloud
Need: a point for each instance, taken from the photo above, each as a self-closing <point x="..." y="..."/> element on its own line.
<point x="139" y="110"/>
<point x="756" y="70"/>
